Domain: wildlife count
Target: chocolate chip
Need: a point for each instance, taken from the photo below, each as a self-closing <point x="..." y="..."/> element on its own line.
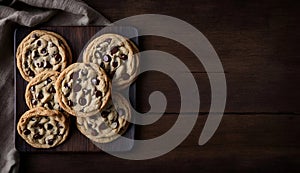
<point x="31" y="73"/>
<point x="102" y="65"/>
<point x="49" y="80"/>
<point x="125" y="76"/>
<point x="97" y="54"/>
<point x="39" y="42"/>
<point x="37" y="136"/>
<point x="34" y="102"/>
<point x="102" y="127"/>
<point x="104" y="114"/>
<point x="68" y="94"/>
<point x="114" y="50"/>
<point x="108" y="40"/>
<point x="27" y="132"/>
<point x="66" y="85"/>
<point x="36" y="55"/>
<point x="40" y="64"/>
<point x="94" y="132"/>
<point x="77" y="88"/>
<point x="44" y="51"/>
<point x="50" y="142"/>
<point x="106" y="58"/>
<point x="115" y="64"/>
<point x="52" y="90"/>
<point x="34" y="36"/>
<point x="40" y="95"/>
<point x="26" y="64"/>
<point x="95" y="81"/>
<point x="49" y="126"/>
<point x="32" y="88"/>
<point x="121" y="111"/>
<point x="58" y="58"/>
<point x="98" y="93"/>
<point x="82" y="101"/>
<point x="48" y="65"/>
<point x="70" y="103"/>
<point x="124" y="57"/>
<point x="84" y="72"/>
<point x="74" y="75"/>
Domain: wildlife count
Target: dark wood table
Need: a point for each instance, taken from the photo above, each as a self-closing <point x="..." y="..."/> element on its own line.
<point x="258" y="44"/>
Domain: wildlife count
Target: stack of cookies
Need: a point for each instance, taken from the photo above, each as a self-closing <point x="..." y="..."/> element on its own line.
<point x="56" y="90"/>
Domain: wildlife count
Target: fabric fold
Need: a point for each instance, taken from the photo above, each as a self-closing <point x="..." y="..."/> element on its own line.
<point x="31" y="13"/>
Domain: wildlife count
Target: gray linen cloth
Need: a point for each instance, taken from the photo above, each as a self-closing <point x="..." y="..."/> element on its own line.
<point x="29" y="13"/>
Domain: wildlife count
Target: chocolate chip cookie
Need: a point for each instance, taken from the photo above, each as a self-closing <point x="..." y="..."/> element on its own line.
<point x="83" y="89"/>
<point x="42" y="51"/>
<point x="117" y="55"/>
<point x="43" y="128"/>
<point x="41" y="92"/>
<point x="109" y="124"/>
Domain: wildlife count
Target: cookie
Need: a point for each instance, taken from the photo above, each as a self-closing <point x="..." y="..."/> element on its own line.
<point x="83" y="89"/>
<point x="43" y="128"/>
<point x="42" y="51"/>
<point x="109" y="124"/>
<point x="117" y="55"/>
<point x="41" y="92"/>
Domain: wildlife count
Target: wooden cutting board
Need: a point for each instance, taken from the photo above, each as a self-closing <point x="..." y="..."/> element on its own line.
<point x="77" y="37"/>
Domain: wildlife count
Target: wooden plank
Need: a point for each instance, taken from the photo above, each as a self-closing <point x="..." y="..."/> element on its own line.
<point x="210" y="15"/>
<point x="257" y="43"/>
<point x="243" y="143"/>
<point x="245" y="92"/>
